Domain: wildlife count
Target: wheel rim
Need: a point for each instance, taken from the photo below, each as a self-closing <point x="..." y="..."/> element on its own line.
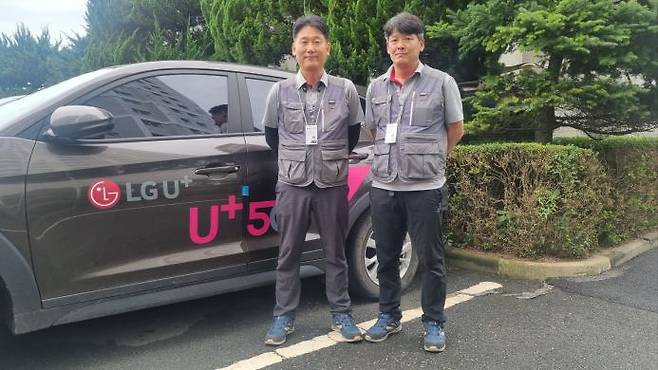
<point x="370" y="257"/>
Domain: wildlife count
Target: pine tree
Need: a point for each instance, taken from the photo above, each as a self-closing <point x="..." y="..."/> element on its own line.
<point x="597" y="71"/>
<point x="259" y="32"/>
<point x="30" y="61"/>
<point x="127" y="31"/>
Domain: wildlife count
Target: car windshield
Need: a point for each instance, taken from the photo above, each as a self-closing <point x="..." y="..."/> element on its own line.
<point x="11" y="111"/>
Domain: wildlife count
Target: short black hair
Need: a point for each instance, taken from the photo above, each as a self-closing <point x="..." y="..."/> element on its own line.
<point x="218" y="109"/>
<point x="312" y="21"/>
<point x="405" y="23"/>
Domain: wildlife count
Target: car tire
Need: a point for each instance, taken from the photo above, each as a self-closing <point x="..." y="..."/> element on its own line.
<point x="361" y="256"/>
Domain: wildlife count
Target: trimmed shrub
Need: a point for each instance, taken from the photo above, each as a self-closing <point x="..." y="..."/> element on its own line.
<point x="528" y="200"/>
<point x="632" y="165"/>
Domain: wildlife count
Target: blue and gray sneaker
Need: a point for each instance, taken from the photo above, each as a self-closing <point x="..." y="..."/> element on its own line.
<point x="344" y="324"/>
<point x="435" y="336"/>
<point x="281" y="327"/>
<point x="384" y="326"/>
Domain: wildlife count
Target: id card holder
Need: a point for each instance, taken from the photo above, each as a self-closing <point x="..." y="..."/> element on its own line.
<point x="391" y="133"/>
<point x="311" y="135"/>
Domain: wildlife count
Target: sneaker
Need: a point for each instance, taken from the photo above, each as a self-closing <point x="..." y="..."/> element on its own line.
<point x="384" y="326"/>
<point x="435" y="336"/>
<point x="281" y="327"/>
<point x="344" y="324"/>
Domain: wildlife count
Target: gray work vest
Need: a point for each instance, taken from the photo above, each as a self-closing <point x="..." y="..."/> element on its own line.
<point x="419" y="153"/>
<point x="326" y="163"/>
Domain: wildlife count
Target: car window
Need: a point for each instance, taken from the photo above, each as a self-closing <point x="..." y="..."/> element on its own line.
<point x="364" y="136"/>
<point x="168" y="105"/>
<point x="258" y="91"/>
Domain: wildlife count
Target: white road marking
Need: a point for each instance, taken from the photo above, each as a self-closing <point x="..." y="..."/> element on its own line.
<point x="328" y="340"/>
<point x="258" y="362"/>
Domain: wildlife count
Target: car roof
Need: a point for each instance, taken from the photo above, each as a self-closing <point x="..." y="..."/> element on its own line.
<point x="129" y="69"/>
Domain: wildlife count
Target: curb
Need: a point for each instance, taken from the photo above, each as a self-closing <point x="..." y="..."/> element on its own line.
<point x="529" y="270"/>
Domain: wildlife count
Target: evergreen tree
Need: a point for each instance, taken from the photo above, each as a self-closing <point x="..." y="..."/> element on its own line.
<point x="259" y="32"/>
<point x="597" y="70"/>
<point x="127" y="31"/>
<point x="30" y="61"/>
<point x="253" y="31"/>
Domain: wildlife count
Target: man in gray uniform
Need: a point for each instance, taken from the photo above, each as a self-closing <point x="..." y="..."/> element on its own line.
<point x="415" y="115"/>
<point x="313" y="121"/>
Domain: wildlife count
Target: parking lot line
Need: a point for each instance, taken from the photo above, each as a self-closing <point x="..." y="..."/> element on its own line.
<point x="328" y="340"/>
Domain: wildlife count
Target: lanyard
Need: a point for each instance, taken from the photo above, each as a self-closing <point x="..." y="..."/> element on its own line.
<point x="320" y="111"/>
<point x="402" y="100"/>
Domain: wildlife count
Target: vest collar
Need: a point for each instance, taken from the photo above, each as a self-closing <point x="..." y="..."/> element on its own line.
<point x="390" y="74"/>
<point x="300" y="81"/>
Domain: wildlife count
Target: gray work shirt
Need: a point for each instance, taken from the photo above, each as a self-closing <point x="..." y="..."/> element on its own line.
<point x="311" y="98"/>
<point x="453" y="113"/>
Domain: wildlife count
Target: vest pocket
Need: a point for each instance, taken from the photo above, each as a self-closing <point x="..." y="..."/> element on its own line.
<point x="424" y="107"/>
<point x="380" y="162"/>
<point x="292" y="164"/>
<point x="422" y="157"/>
<point x="293" y="117"/>
<point x="335" y="113"/>
<point x="379" y="110"/>
<point x="334" y="165"/>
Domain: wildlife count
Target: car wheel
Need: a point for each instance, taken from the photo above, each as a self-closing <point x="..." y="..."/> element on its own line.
<point x="362" y="258"/>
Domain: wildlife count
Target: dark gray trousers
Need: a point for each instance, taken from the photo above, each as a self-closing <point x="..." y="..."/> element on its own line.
<point x="294" y="208"/>
<point x="418" y="212"/>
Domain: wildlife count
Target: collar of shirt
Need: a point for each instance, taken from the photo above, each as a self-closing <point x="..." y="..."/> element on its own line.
<point x="390" y="74"/>
<point x="300" y="81"/>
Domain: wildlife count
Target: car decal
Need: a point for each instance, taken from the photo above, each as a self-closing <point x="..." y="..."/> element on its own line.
<point x="261" y="213"/>
<point x="355" y="178"/>
<point x="104" y="194"/>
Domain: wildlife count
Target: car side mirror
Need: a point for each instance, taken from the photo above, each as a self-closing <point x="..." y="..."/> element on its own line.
<point x="73" y="122"/>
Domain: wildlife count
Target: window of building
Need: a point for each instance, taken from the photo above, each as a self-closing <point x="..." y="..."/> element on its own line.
<point x="162" y="106"/>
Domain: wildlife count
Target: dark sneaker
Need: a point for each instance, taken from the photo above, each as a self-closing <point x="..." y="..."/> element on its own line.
<point x="281" y="327"/>
<point x="384" y="326"/>
<point x="344" y="324"/>
<point x="435" y="336"/>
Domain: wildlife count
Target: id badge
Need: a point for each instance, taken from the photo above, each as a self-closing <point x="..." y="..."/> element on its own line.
<point x="391" y="133"/>
<point x="311" y="135"/>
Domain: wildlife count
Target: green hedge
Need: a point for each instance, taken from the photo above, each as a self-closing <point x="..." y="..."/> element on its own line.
<point x="528" y="200"/>
<point x="632" y="166"/>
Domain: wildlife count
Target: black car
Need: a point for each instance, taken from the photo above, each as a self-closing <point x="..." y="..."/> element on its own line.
<point x="148" y="184"/>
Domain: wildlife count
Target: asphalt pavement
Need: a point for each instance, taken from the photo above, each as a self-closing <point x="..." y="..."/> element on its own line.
<point x="609" y="321"/>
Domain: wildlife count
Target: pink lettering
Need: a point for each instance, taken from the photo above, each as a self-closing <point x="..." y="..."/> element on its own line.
<point x="256" y="215"/>
<point x="194" y="225"/>
<point x="231" y="207"/>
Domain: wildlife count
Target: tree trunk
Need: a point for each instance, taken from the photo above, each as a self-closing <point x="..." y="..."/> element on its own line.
<point x="545" y="126"/>
<point x="547" y="122"/>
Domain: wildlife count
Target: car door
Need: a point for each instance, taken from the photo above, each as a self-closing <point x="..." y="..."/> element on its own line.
<point x="155" y="203"/>
<point x="262" y="239"/>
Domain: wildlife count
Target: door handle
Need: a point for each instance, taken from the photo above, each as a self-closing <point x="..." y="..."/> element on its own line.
<point x="225" y="168"/>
